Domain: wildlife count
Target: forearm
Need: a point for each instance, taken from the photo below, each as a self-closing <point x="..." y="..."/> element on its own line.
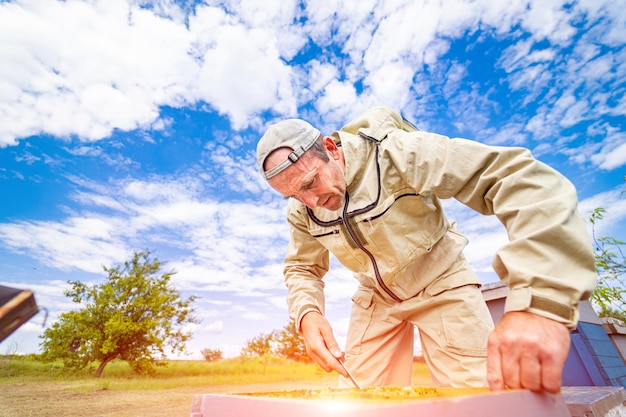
<point x="306" y="264"/>
<point x="548" y="263"/>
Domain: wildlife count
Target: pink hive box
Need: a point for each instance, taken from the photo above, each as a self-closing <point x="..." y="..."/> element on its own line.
<point x="463" y="403"/>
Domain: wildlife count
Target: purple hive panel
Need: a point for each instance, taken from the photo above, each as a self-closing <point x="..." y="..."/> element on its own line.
<point x="514" y="403"/>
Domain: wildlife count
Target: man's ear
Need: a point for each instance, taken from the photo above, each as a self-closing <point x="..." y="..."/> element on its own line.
<point x="331" y="147"/>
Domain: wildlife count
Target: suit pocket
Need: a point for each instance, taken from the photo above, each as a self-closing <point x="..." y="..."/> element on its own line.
<point x="360" y="319"/>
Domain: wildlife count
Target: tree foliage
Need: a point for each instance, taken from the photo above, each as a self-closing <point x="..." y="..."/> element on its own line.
<point x="260" y="345"/>
<point x="212" y="355"/>
<point x="135" y="315"/>
<point x="609" y="296"/>
<point x="290" y="343"/>
<point x="287" y="343"/>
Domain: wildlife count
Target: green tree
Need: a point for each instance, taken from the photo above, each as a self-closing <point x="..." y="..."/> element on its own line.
<point x="135" y="316"/>
<point x="290" y="343"/>
<point x="212" y="355"/>
<point x="260" y="345"/>
<point x="286" y="343"/>
<point x="609" y="296"/>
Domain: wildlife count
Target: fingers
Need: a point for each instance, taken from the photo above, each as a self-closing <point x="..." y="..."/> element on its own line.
<point x="495" y="379"/>
<point x="320" y="343"/>
<point x="552" y="372"/>
<point x="509" y="367"/>
<point x="331" y="345"/>
<point x="530" y="373"/>
<point x="328" y="360"/>
<point x="331" y="352"/>
<point x="527" y="351"/>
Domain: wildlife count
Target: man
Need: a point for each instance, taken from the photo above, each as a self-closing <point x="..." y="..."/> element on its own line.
<point x="370" y="194"/>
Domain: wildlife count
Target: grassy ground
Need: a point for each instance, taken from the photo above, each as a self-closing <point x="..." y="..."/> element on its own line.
<point x="30" y="388"/>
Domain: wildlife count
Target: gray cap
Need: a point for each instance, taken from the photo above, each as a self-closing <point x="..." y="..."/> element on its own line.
<point x="291" y="133"/>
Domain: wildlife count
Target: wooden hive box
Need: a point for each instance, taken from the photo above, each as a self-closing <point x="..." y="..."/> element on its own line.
<point x="423" y="402"/>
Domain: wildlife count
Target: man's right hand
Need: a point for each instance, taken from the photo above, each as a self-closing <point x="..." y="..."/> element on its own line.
<point x="320" y="342"/>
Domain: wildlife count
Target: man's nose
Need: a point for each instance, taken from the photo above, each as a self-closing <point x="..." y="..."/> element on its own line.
<point x="309" y="199"/>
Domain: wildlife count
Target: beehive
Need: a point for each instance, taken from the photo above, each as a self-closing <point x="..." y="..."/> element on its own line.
<point x="388" y="402"/>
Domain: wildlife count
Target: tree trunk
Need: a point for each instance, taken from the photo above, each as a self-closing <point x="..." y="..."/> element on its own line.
<point x="101" y="367"/>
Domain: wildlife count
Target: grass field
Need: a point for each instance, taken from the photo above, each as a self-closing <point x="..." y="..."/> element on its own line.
<point x="31" y="388"/>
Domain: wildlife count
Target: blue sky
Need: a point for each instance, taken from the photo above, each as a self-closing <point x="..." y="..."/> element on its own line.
<point x="131" y="125"/>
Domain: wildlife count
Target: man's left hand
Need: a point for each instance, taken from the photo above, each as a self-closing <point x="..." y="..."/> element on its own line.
<point x="527" y="351"/>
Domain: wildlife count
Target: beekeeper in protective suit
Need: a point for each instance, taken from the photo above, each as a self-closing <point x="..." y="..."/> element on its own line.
<point x="370" y="194"/>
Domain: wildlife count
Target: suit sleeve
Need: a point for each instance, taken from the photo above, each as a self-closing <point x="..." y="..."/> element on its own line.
<point x="306" y="263"/>
<point x="548" y="263"/>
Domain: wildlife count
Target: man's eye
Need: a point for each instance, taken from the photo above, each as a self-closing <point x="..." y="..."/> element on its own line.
<point x="309" y="184"/>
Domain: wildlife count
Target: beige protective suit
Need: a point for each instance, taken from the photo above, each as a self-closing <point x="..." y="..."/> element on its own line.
<point x="392" y="233"/>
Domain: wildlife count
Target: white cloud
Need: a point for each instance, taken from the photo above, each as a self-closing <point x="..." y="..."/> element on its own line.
<point x="222" y="242"/>
<point x="548" y="19"/>
<point x="115" y="64"/>
<point x="613" y="155"/>
<point x="390" y="84"/>
<point x="486" y="236"/>
<point x="509" y="134"/>
<point x="608" y="155"/>
<point x="214" y="327"/>
<point x="67" y="245"/>
<point x="87" y="68"/>
<point x="615" y="158"/>
<point x="241" y="71"/>
<point x="337" y="95"/>
<point x="614" y="202"/>
<point x="340" y="286"/>
<point x="320" y="75"/>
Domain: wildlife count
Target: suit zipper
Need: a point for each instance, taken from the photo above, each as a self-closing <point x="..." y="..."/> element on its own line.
<point x="355" y="239"/>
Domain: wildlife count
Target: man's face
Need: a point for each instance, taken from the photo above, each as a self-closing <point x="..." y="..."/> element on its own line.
<point x="311" y="180"/>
